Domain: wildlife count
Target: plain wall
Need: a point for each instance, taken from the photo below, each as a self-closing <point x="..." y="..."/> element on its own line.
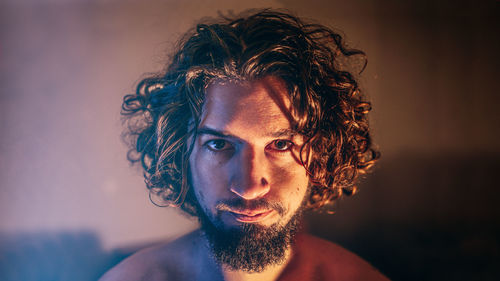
<point x="432" y="66"/>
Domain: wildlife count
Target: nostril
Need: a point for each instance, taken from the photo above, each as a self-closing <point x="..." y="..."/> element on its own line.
<point x="263" y="182"/>
<point x="252" y="191"/>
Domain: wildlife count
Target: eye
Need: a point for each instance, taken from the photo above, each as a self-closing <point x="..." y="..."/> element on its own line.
<point x="280" y="145"/>
<point x="217" y="145"/>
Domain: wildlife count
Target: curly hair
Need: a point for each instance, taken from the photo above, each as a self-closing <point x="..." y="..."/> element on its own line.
<point x="330" y="111"/>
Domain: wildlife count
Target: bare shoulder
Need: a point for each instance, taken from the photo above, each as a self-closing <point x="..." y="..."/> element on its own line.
<point x="166" y="261"/>
<point x="320" y="259"/>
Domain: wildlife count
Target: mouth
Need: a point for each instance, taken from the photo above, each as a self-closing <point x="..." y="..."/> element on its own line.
<point x="250" y="216"/>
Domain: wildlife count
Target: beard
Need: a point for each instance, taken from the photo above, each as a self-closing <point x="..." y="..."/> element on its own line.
<point x="249" y="247"/>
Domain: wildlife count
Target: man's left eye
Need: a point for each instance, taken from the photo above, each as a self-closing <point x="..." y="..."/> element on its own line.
<point x="280" y="145"/>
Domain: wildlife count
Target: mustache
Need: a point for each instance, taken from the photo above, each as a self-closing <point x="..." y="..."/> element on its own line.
<point x="242" y="204"/>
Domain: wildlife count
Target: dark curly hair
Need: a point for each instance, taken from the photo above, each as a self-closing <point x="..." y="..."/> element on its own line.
<point x="329" y="108"/>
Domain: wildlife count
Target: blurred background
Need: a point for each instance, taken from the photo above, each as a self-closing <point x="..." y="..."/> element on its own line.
<point x="71" y="206"/>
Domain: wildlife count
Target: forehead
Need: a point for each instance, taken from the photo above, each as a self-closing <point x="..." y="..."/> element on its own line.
<point x="262" y="105"/>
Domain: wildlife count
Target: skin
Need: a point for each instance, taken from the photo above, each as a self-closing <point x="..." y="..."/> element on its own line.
<point x="245" y="150"/>
<point x="188" y="259"/>
<point x="236" y="157"/>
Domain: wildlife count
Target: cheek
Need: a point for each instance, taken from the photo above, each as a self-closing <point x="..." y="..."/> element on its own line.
<point x="290" y="182"/>
<point x="207" y="178"/>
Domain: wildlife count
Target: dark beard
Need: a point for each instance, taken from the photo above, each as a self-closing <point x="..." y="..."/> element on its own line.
<point x="250" y="248"/>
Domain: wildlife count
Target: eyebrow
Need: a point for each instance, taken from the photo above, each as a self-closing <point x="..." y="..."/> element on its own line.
<point x="277" y="134"/>
<point x="213" y="132"/>
<point x="283" y="133"/>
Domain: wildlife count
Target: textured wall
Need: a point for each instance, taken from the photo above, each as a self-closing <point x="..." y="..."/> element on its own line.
<point x="64" y="180"/>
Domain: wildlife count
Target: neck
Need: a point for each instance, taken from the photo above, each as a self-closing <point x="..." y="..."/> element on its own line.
<point x="208" y="264"/>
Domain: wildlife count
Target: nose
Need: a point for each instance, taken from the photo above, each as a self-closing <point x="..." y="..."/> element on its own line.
<point x="250" y="176"/>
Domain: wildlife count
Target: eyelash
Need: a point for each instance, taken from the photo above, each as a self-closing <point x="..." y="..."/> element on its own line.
<point x="289" y="144"/>
<point x="208" y="144"/>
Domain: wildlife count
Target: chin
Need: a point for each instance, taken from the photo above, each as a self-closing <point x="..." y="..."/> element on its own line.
<point x="249" y="247"/>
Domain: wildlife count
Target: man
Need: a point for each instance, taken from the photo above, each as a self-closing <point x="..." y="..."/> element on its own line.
<point x="253" y="122"/>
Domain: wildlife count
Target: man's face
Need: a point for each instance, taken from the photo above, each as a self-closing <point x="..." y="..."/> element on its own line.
<point x="246" y="174"/>
<point x="245" y="167"/>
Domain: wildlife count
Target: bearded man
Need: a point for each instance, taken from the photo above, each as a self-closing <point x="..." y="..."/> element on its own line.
<point x="253" y="121"/>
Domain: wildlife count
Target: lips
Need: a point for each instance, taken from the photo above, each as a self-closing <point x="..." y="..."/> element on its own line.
<point x="250" y="216"/>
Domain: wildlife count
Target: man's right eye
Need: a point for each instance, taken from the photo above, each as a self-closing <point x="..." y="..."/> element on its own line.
<point x="217" y="145"/>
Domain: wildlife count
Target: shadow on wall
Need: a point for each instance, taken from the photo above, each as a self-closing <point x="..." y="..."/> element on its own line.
<point x="429" y="217"/>
<point x="75" y="256"/>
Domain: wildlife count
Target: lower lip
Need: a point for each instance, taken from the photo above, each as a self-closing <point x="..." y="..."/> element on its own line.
<point x="251" y="219"/>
